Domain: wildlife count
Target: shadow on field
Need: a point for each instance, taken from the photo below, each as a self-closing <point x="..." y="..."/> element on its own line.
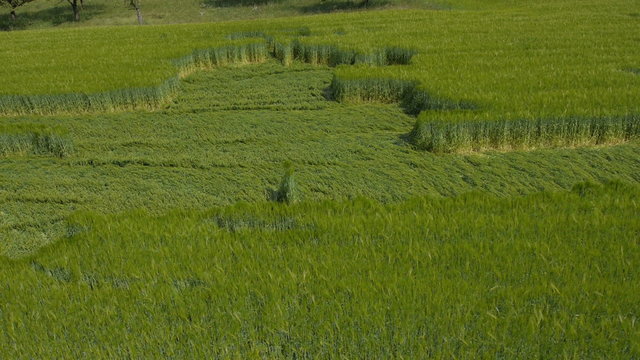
<point x="319" y="6"/>
<point x="633" y="70"/>
<point x="328" y="6"/>
<point x="54" y="16"/>
<point x="233" y="3"/>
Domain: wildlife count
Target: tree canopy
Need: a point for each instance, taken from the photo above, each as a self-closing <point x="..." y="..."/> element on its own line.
<point x="13" y="4"/>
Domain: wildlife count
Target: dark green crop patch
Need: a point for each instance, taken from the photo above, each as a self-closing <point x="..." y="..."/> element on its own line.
<point x="411" y="98"/>
<point x="238" y="223"/>
<point x="28" y="139"/>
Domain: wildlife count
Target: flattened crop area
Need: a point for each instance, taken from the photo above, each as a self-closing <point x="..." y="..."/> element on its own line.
<point x="223" y="139"/>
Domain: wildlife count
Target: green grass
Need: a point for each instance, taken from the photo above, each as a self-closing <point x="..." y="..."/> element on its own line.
<point x="552" y="275"/>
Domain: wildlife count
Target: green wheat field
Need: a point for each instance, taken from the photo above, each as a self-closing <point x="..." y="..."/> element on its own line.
<point x="312" y="179"/>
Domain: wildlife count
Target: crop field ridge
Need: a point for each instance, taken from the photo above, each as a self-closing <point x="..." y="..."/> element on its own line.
<point x="524" y="134"/>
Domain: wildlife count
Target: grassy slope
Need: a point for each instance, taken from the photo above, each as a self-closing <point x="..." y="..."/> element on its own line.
<point x="217" y="145"/>
<point x="542" y="276"/>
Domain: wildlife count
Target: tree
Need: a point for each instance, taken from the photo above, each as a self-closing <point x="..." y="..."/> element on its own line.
<point x="76" y="6"/>
<point x="135" y="4"/>
<point x="13" y="4"/>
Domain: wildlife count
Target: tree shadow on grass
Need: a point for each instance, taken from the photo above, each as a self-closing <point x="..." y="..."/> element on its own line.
<point x="53" y="16"/>
<point x="328" y="6"/>
<point x="318" y="6"/>
<point x="238" y="3"/>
